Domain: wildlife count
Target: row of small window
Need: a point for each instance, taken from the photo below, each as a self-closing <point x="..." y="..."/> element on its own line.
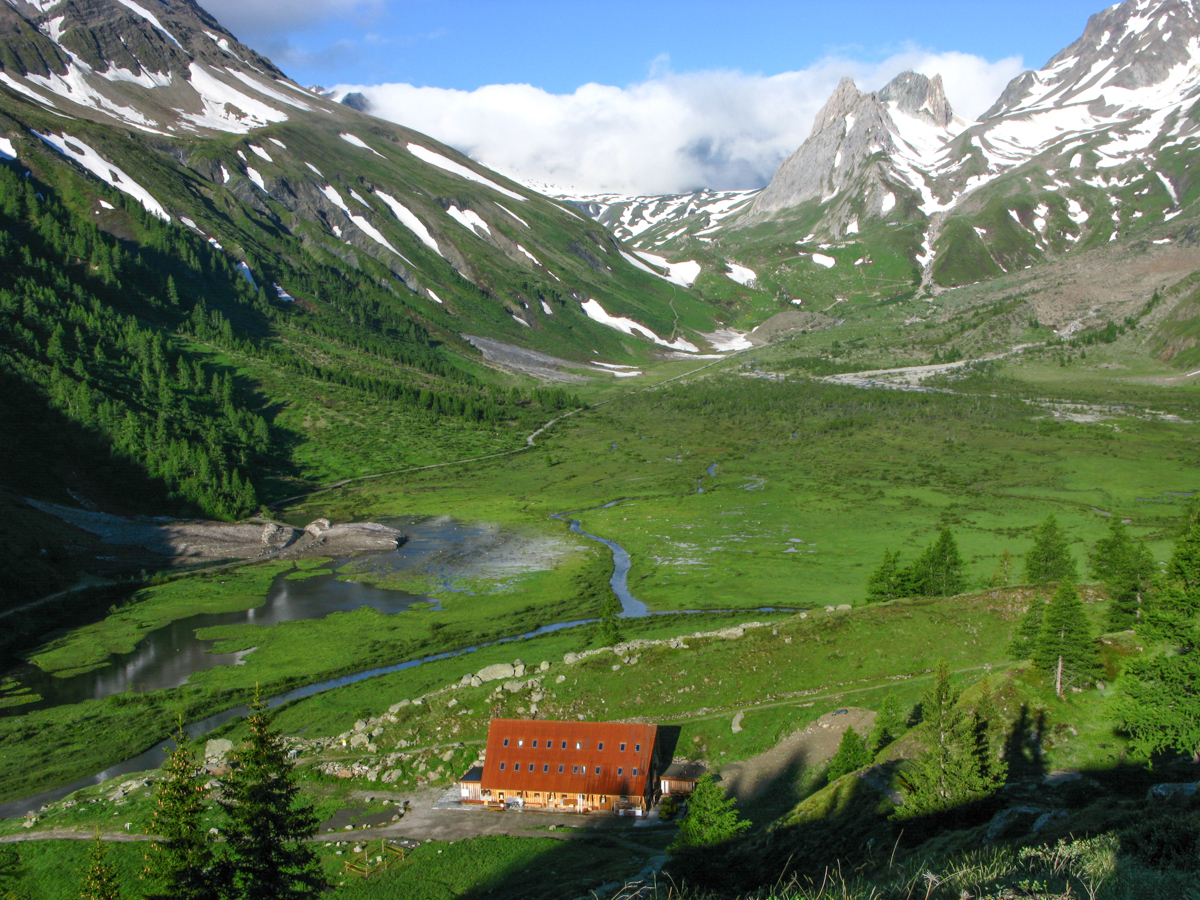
<point x="575" y="770"/>
<point x="549" y="745"/>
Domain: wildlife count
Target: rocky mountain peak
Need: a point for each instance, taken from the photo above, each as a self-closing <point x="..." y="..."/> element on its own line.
<point x="919" y="96"/>
<point x="838" y="106"/>
<point x="1130" y="47"/>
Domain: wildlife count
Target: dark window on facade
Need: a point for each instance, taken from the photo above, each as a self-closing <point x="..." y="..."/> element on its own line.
<point x="600" y="746"/>
<point x="597" y="770"/>
<point x="501" y="767"/>
<point x="564" y="746"/>
<point x="546" y="767"/>
<point x="637" y="748"/>
<point x="635" y="773"/>
<point x="620" y="770"/>
<point x="622" y="748"/>
<point x="560" y="770"/>
<point x="506" y="742"/>
<point x="535" y="745"/>
<point x="574" y="770"/>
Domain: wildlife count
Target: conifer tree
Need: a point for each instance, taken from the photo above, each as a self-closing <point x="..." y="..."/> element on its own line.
<point x="181" y="863"/>
<point x="100" y="877"/>
<point x="953" y="769"/>
<point x="1028" y="630"/>
<point x="1065" y="648"/>
<point x="852" y="754"/>
<point x="1157" y="698"/>
<point x="891" y="721"/>
<point x="1126" y="568"/>
<point x="10" y="872"/>
<point x="267" y="823"/>
<point x="1049" y="559"/>
<point x="711" y="818"/>
<point x="885" y="582"/>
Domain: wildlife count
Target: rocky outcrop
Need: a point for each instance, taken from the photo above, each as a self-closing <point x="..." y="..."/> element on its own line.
<point x="848" y="158"/>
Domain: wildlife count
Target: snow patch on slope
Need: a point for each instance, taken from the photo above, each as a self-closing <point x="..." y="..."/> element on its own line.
<point x="683" y="274"/>
<point x="596" y="313"/>
<point x="436" y="159"/>
<point x="104" y="170"/>
<point x="359" y="142"/>
<point x="410" y="221"/>
<point x="469" y="219"/>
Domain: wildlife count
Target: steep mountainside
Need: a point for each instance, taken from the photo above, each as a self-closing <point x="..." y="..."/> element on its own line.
<point x="169" y="108"/>
<point x="893" y="196"/>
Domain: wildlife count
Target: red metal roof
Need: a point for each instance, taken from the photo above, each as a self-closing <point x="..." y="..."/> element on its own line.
<point x="593" y="761"/>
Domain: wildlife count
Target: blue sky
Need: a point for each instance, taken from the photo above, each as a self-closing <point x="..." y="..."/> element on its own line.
<point x="651" y="97"/>
<point x="560" y="45"/>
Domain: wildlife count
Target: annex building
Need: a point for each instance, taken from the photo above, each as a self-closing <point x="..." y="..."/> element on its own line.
<point x="568" y="766"/>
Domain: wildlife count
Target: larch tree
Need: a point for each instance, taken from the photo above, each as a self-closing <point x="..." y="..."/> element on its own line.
<point x="1066" y="648"/>
<point x="885" y="582"/>
<point x="891" y="721"/>
<point x="180" y="864"/>
<point x="267" y="857"/>
<point x="954" y="768"/>
<point x="1127" y="569"/>
<point x="1028" y="630"/>
<point x="1049" y="559"/>
<point x="99" y="880"/>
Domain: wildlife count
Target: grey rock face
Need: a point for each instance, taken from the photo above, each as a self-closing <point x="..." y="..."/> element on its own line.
<point x="853" y="137"/>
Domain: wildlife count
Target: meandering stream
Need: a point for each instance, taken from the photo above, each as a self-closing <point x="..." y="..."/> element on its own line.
<point x="168" y="656"/>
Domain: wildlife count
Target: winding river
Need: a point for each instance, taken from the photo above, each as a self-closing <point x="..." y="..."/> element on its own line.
<point x="168" y="656"/>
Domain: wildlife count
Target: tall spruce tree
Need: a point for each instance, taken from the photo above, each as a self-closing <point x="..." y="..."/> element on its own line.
<point x="1028" y="630"/>
<point x="885" y="583"/>
<point x="852" y="754"/>
<point x="891" y="721"/>
<point x="99" y="881"/>
<point x="267" y="857"/>
<point x="180" y="864"/>
<point x="1065" y="649"/>
<point x="1049" y="559"/>
<point x="938" y="571"/>
<point x="1127" y="569"/>
<point x="1157" y="698"/>
<point x="711" y="818"/>
<point x="954" y="768"/>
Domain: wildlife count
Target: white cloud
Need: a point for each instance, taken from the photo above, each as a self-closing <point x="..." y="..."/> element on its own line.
<point x="672" y="132"/>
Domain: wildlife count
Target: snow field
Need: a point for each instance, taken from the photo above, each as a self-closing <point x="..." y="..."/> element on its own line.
<point x="216" y="94"/>
<point x="409" y="220"/>
<point x="7" y="150"/>
<point x="436" y="159"/>
<point x="254" y="176"/>
<point x="683" y="274"/>
<point x="261" y="153"/>
<point x="594" y="311"/>
<point x="822" y="260"/>
<point x="469" y="219"/>
<point x="360" y="143"/>
<point x="149" y="17"/>
<point x="104" y="170"/>
<point x="434" y="297"/>
<point x="740" y="274"/>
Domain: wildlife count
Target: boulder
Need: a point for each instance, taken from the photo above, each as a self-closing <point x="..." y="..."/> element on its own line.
<point x="570" y="659"/>
<point x="560" y="679"/>
<point x="544" y="667"/>
<point x="476" y="681"/>
<point x="217" y="748"/>
<point x="737" y="722"/>
<point x="466" y="679"/>
<point x="1172" y="794"/>
<point x="452" y="704"/>
<point x="360" y="726"/>
<point x="844" y="607"/>
<point x="396" y="707"/>
<point x="1014" y="821"/>
<point x="519" y="669"/>
<point x="359" y="740"/>
<point x="731" y="634"/>
<point x="513" y="686"/>
<point x="497" y="672"/>
<point x="447" y="756"/>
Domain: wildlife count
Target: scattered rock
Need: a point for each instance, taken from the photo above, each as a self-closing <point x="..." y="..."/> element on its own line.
<point x="544" y="667"/>
<point x="844" y="607"/>
<point x="1044" y="821"/>
<point x="452" y="704"/>
<point x="513" y="687"/>
<point x="497" y="672"/>
<point x="476" y="681"/>
<point x="560" y="679"/>
<point x="396" y="707"/>
<point x="1172" y="794"/>
<point x="519" y="669"/>
<point x="359" y="740"/>
<point x="360" y="726"/>
<point x="1013" y="821"/>
<point x="218" y="748"/>
<point x="737" y="722"/>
